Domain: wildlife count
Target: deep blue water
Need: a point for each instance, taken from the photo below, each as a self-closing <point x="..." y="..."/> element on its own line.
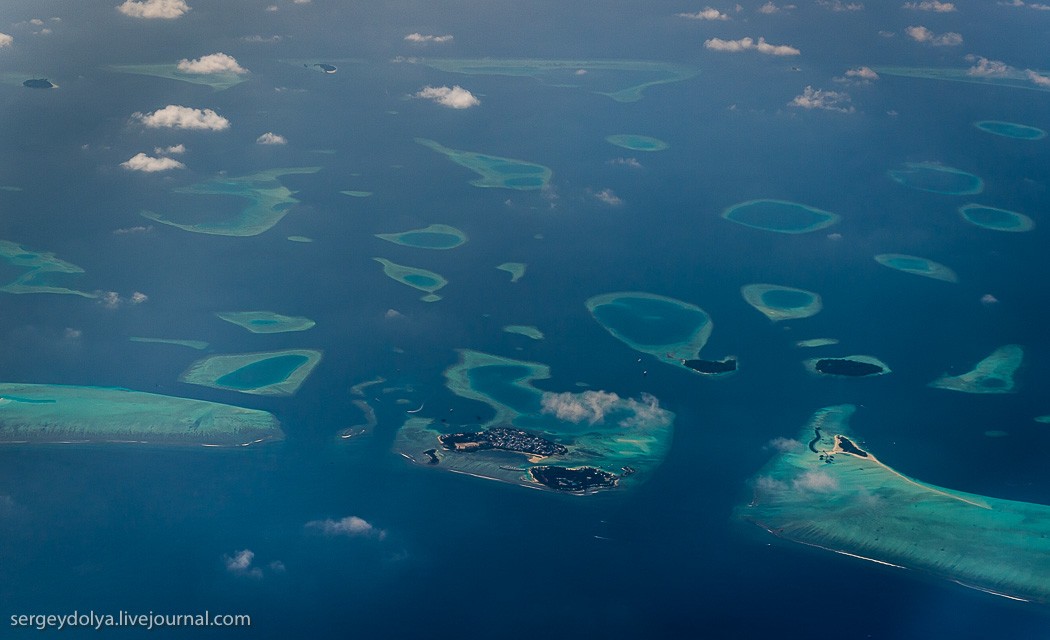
<point x="143" y="529"/>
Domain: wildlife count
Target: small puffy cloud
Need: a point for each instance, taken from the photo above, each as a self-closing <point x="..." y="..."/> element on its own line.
<point x="770" y="8"/>
<point x="148" y="164"/>
<point x="36" y="22"/>
<point x="164" y="9"/>
<point x="393" y="314"/>
<point x="5" y="40"/>
<point x="820" y="99"/>
<point x="608" y="197"/>
<point x="594" y="406"/>
<point x="179" y="117"/>
<point x="72" y="334"/>
<point x="922" y="34"/>
<point x="858" y="75"/>
<point x="130" y="230"/>
<point x="240" y="563"/>
<point x="453" y="97"/>
<point x="1037" y="79"/>
<point x="277" y="566"/>
<point x="348" y="526"/>
<point x="815" y="482"/>
<point x="930" y="5"/>
<point x="173" y="150"/>
<point x="707" y="13"/>
<point x="262" y="39"/>
<point x="420" y="38"/>
<point x="784" y="444"/>
<point x="985" y="68"/>
<point x="271" y="138"/>
<point x="212" y="63"/>
<point x="748" y="44"/>
<point x="113" y="300"/>
<point x="838" y="5"/>
<point x="989" y="299"/>
<point x="627" y="162"/>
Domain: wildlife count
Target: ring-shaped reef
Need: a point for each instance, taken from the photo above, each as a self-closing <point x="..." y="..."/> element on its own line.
<point x="778" y="302"/>
<point x="504" y="173"/>
<point x="435" y="236"/>
<point x="847" y="366"/>
<point x="526" y="330"/>
<point x="917" y="266"/>
<point x="268" y="200"/>
<point x="671" y="330"/>
<point x="993" y="374"/>
<point x="267" y="373"/>
<point x="996" y="219"/>
<point x="780" y="216"/>
<point x="833" y="494"/>
<point x="937" y="178"/>
<point x="1010" y="130"/>
<point x="414" y="277"/>
<point x="266" y="321"/>
<point x="40" y="269"/>
<point x="636" y="142"/>
<point x="49" y="413"/>
<point x="569" y="442"/>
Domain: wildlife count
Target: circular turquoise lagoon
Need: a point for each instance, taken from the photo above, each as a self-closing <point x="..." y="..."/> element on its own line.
<point x="996" y="219"/>
<point x="780" y="216"/>
<point x="1010" y="130"/>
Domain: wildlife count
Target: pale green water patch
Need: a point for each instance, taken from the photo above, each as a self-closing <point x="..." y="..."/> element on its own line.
<point x="671" y="330"/>
<point x="1009" y="77"/>
<point x="192" y="344"/>
<point x="217" y="81"/>
<point x="816" y="342"/>
<point x="528" y="331"/>
<point x="269" y="201"/>
<point x="266" y="321"/>
<point x="780" y="216"/>
<point x="273" y="373"/>
<point x="857" y="505"/>
<point x="40" y="270"/>
<point x="1010" y="130"/>
<point x="937" y="178"/>
<point x="996" y="219"/>
<point x="435" y="236"/>
<point x="515" y="269"/>
<point x="302" y="239"/>
<point x="495" y="171"/>
<point x="778" y="302"/>
<point x="917" y="266"/>
<point x="993" y="374"/>
<point x="356" y="194"/>
<point x="636" y="142"/>
<point x="43" y="413"/>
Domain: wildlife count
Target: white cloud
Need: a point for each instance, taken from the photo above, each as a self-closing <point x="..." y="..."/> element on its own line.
<point x="608" y="197"/>
<point x="820" y="99"/>
<point x="838" y="5"/>
<point x="454" y="97"/>
<point x="166" y="9"/>
<point x="72" y="334"/>
<point x="178" y="117"/>
<point x="985" y="68"/>
<point x="425" y="38"/>
<point x="746" y="44"/>
<point x="348" y="526"/>
<point x="262" y="39"/>
<point x="930" y="5"/>
<point x="924" y="35"/>
<point x="129" y="230"/>
<point x="393" y="314"/>
<point x="5" y="40"/>
<point x="212" y="63"/>
<point x="816" y="482"/>
<point x="240" y="563"/>
<point x="784" y="444"/>
<point x="593" y="407"/>
<point x="1037" y="79"/>
<point x="147" y="164"/>
<point x="707" y="13"/>
<point x="858" y="75"/>
<point x="170" y="151"/>
<point x="113" y="300"/>
<point x="770" y="8"/>
<point x="36" y="22"/>
<point x="271" y="138"/>
<point x="627" y="162"/>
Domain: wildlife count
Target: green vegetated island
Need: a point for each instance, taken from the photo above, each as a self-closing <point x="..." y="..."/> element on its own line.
<point x="435" y="236"/>
<point x="266" y="321"/>
<point x="993" y="374"/>
<point x="996" y="219"/>
<point x="40" y="271"/>
<point x="268" y="373"/>
<point x="577" y="443"/>
<point x="668" y="329"/>
<point x="495" y="172"/>
<point x="937" y="178"/>
<point x="218" y="81"/>
<point x="420" y="279"/>
<point x="828" y="492"/>
<point x="47" y="413"/>
<point x="917" y="266"/>
<point x="636" y="142"/>
<point x="1010" y="130"/>
<point x="778" y="302"/>
<point x="621" y="80"/>
<point x="857" y="366"/>
<point x="780" y="216"/>
<point x="269" y="201"/>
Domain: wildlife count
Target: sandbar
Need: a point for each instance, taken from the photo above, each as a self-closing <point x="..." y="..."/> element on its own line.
<point x="636" y="142"/>
<point x="528" y="331"/>
<point x="192" y="344"/>
<point x="515" y="269"/>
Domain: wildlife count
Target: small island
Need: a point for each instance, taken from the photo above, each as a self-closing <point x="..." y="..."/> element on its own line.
<point x="636" y="142"/>
<point x="848" y="366"/>
<point x="435" y="236"/>
<point x="266" y="321"/>
<point x="515" y="269"/>
<point x="712" y="367"/>
<point x="996" y="219"/>
<point x="778" y="302"/>
<point x="420" y="279"/>
<point x="39" y="83"/>
<point x="495" y="172"/>
<point x="573" y="480"/>
<point x="504" y="439"/>
<point x="270" y="373"/>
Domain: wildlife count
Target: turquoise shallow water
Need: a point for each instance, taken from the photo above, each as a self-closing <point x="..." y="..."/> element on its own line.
<point x="265" y="372"/>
